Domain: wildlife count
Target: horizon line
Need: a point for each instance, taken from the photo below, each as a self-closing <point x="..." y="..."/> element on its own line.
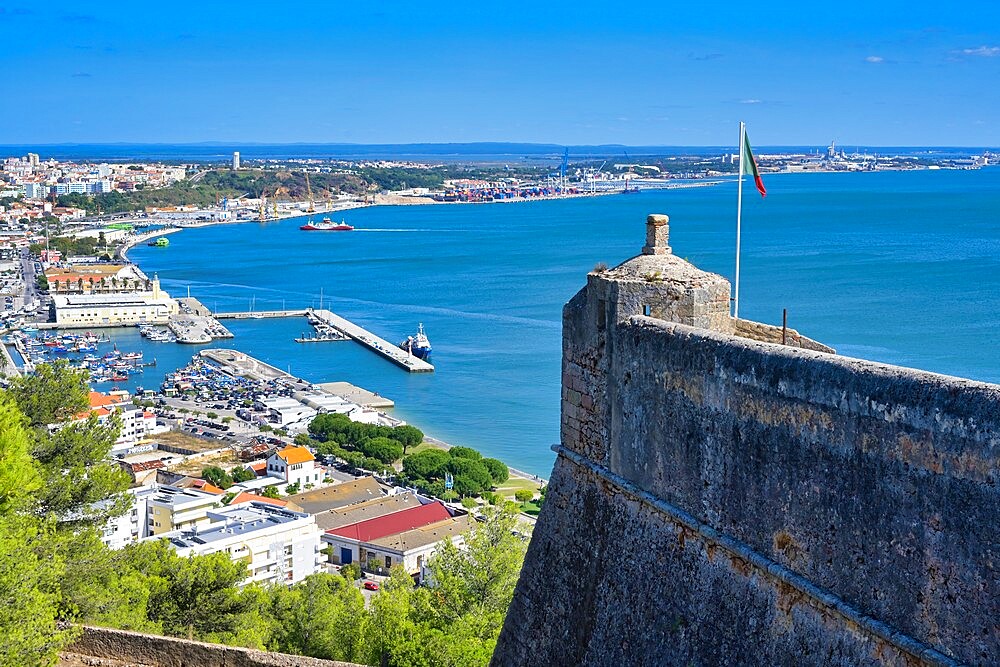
<point x="472" y="143"/>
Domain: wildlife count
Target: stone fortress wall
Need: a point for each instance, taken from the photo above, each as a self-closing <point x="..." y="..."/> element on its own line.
<point x="720" y="498"/>
<point x="107" y="647"/>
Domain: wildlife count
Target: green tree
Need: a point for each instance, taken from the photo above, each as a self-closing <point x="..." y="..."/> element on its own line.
<point x="193" y="597"/>
<point x="392" y="628"/>
<point x="523" y="495"/>
<point x="464" y="453"/>
<point x="241" y="474"/>
<point x="428" y="464"/>
<point x="82" y="484"/>
<point x="29" y="573"/>
<point x="480" y="578"/>
<point x="29" y="595"/>
<point x="322" y="617"/>
<point x="471" y="476"/>
<point x="270" y="492"/>
<point x="385" y="450"/>
<point x="19" y="475"/>
<point x="498" y="470"/>
<point x="409" y="436"/>
<point x="217" y="476"/>
<point x="53" y="394"/>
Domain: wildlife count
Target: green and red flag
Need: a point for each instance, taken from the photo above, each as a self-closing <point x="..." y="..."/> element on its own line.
<point x="748" y="165"/>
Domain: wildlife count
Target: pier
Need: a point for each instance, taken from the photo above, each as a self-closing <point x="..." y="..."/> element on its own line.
<point x="383" y="347"/>
<point x="259" y="314"/>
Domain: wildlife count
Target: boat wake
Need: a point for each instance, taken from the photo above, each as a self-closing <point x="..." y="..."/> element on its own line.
<point x="422" y="231"/>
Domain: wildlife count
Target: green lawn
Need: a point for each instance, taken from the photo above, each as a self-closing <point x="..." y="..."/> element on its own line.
<point x="531" y="508"/>
<point x="516" y="483"/>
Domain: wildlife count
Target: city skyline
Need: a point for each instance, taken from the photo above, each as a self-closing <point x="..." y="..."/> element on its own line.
<point x="579" y="74"/>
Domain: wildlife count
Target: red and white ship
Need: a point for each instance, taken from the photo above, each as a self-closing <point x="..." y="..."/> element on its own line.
<point x="326" y="225"/>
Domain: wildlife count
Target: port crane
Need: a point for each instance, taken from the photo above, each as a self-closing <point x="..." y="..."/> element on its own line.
<point x="309" y="195"/>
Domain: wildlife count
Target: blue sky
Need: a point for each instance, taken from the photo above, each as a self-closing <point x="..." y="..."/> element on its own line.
<point x="875" y="73"/>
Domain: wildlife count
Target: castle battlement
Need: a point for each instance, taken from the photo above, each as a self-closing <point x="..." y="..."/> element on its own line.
<point x="722" y="498"/>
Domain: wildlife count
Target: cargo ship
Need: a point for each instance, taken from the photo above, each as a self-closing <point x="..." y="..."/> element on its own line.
<point x="326" y="225"/>
<point x="419" y="346"/>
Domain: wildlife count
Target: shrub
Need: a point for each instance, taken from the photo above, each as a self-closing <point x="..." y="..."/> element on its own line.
<point x="492" y="498"/>
<point x="242" y="474"/>
<point x="351" y="571"/>
<point x="469" y="503"/>
<point x="523" y="495"/>
<point x="217" y="476"/>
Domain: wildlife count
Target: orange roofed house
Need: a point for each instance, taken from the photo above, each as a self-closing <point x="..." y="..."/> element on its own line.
<point x="294" y="465"/>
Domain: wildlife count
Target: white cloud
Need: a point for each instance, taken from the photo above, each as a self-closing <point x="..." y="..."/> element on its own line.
<point x="983" y="51"/>
<point x="875" y="60"/>
<point x="750" y="101"/>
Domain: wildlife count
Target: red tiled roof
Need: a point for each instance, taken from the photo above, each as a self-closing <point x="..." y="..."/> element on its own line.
<point x="390" y="524"/>
<point x="145" y="465"/>
<point x="98" y="400"/>
<point x="293" y="454"/>
<point x="246" y="497"/>
<point x="206" y="486"/>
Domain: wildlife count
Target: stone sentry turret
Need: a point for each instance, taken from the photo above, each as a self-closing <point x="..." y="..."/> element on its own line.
<point x="721" y="498"/>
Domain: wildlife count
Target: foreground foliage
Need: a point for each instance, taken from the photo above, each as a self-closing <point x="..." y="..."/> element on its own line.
<point x="57" y="490"/>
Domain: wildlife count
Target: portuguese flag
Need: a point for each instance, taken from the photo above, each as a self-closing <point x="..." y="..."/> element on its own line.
<point x="748" y="165"/>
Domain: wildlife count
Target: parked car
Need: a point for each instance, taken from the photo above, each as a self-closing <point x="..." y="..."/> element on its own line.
<point x="371" y="586"/>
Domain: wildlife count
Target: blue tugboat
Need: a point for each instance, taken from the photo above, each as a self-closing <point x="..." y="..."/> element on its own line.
<point x="417" y="345"/>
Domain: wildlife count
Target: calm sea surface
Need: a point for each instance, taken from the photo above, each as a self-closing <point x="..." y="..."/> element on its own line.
<point x="896" y="267"/>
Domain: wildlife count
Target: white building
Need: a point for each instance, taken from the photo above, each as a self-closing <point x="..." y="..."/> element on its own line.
<point x="133" y="525"/>
<point x="172" y="509"/>
<point x="109" y="310"/>
<point x="278" y="545"/>
<point x="282" y="410"/>
<point x="294" y="465"/>
<point x="236" y="160"/>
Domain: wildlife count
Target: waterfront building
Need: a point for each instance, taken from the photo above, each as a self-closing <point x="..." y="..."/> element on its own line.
<point x="283" y="410"/>
<point x="173" y="508"/>
<point x="113" y="310"/>
<point x="91" y="278"/>
<point x="236" y="160"/>
<point x="277" y="544"/>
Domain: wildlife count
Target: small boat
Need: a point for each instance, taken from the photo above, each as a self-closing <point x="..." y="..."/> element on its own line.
<point x="326" y="225"/>
<point x="161" y="242"/>
<point x="418" y="345"/>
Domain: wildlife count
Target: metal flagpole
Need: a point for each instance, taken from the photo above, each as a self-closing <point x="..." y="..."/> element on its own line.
<point x="739" y="211"/>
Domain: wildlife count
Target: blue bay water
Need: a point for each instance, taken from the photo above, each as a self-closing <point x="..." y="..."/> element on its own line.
<point x="901" y="267"/>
